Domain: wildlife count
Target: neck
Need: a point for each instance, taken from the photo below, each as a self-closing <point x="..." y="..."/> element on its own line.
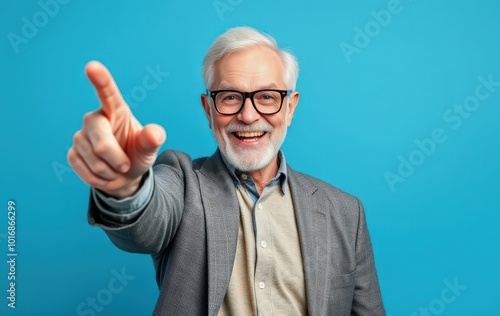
<point x="263" y="176"/>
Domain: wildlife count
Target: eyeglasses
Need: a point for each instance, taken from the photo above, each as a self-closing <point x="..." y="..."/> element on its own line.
<point x="230" y="102"/>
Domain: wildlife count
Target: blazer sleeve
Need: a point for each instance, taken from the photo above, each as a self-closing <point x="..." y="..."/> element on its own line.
<point x="367" y="297"/>
<point x="152" y="231"/>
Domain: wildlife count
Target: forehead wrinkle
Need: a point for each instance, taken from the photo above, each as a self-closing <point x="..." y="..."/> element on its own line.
<point x="225" y="85"/>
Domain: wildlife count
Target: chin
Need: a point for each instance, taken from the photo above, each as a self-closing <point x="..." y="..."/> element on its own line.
<point x="250" y="160"/>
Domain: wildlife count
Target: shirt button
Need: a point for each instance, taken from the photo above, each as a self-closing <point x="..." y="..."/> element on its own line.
<point x="263" y="244"/>
<point x="259" y="206"/>
<point x="262" y="285"/>
<point x="244" y="177"/>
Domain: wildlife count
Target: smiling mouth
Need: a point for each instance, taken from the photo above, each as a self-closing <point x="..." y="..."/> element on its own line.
<point x="249" y="136"/>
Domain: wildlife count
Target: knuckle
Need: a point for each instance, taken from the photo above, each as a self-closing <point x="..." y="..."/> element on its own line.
<point x="77" y="137"/>
<point x="71" y="156"/>
<point x="101" y="148"/>
<point x="83" y="149"/>
<point x="95" y="134"/>
<point x="99" y="168"/>
<point x="88" y="118"/>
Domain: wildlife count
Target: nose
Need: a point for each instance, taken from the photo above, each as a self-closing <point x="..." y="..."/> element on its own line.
<point x="248" y="114"/>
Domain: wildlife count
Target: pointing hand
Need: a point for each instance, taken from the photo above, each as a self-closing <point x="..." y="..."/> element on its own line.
<point x="113" y="150"/>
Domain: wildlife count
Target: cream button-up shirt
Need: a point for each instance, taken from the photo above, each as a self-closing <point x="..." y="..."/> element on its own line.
<point x="268" y="274"/>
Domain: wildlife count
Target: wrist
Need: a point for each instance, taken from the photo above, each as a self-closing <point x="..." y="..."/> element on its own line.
<point x="128" y="190"/>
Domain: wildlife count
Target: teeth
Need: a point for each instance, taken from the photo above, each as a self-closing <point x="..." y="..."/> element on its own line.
<point x="249" y="134"/>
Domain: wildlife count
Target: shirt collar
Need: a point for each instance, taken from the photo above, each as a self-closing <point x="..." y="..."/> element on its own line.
<point x="280" y="178"/>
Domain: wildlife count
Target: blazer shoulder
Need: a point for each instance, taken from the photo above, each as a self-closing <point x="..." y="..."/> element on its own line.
<point x="323" y="188"/>
<point x="321" y="185"/>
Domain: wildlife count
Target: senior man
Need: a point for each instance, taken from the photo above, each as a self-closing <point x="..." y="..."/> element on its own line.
<point x="239" y="232"/>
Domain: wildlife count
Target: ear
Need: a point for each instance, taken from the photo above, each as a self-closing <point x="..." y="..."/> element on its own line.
<point x="205" y="102"/>
<point x="294" y="100"/>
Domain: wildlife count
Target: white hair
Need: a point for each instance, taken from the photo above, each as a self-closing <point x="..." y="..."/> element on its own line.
<point x="241" y="37"/>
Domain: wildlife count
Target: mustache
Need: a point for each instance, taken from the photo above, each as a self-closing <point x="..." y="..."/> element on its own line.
<point x="256" y="127"/>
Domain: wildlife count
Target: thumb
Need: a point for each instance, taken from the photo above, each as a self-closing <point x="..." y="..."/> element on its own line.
<point x="151" y="138"/>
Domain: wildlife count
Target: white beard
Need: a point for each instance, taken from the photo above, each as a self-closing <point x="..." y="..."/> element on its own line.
<point x="249" y="159"/>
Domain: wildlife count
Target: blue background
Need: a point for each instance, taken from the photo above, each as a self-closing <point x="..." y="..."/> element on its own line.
<point x="358" y="116"/>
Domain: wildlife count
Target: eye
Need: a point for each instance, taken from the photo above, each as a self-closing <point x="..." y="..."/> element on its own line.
<point x="229" y="97"/>
<point x="267" y="97"/>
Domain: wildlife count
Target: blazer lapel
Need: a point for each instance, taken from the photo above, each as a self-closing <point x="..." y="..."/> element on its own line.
<point x="312" y="227"/>
<point x="222" y="217"/>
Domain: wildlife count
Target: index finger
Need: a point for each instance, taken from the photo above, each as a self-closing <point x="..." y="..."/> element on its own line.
<point x="105" y="86"/>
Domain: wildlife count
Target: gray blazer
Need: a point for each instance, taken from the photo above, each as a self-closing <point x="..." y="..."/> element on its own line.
<point x="190" y="228"/>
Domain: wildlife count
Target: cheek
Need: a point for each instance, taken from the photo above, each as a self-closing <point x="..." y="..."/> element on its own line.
<point x="279" y="122"/>
<point x="220" y="123"/>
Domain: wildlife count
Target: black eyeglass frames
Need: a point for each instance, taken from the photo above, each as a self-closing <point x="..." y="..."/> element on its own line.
<point x="265" y="101"/>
